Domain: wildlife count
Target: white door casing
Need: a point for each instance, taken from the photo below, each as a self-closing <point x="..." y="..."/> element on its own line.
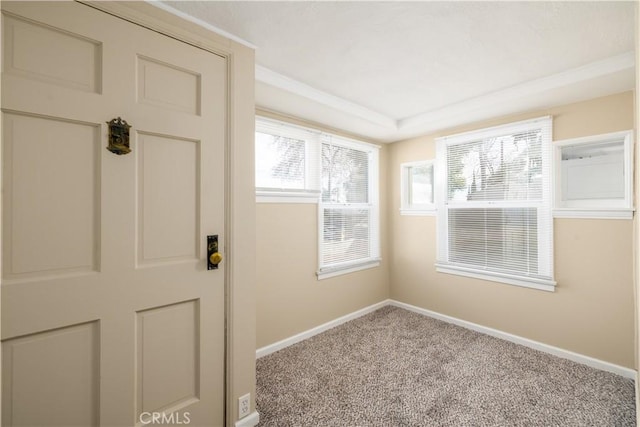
<point x="108" y="311"/>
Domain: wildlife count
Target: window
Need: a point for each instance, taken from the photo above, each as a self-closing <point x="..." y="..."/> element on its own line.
<point x="494" y="204"/>
<point x="348" y="211"/>
<point x="594" y="176"/>
<point x="416" y="182"/>
<point x="300" y="165"/>
<point x="287" y="163"/>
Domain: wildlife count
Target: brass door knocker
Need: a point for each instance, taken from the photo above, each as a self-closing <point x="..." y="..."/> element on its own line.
<point x="119" y="136"/>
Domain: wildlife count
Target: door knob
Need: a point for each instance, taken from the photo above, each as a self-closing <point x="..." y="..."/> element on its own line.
<point x="215" y="258"/>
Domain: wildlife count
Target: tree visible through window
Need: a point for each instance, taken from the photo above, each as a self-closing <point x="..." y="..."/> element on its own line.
<point x="345" y="174"/>
<point x="287" y="161"/>
<point x="499" y="168"/>
<point x="349" y="216"/>
<point x="280" y="162"/>
<point x="496" y="212"/>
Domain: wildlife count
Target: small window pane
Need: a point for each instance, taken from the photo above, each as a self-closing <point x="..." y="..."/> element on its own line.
<point x="420" y="185"/>
<point x="345" y="174"/>
<point x="593" y="172"/>
<point x="494" y="169"/>
<point x="280" y="162"/>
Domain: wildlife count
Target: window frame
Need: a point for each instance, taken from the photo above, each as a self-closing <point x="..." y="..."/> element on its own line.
<point x="595" y="208"/>
<point x="311" y="192"/>
<point x="546" y="281"/>
<point x="416" y="209"/>
<point x="326" y="271"/>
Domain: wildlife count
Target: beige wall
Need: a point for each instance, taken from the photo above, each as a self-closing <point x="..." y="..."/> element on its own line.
<point x="592" y="310"/>
<point x="290" y="299"/>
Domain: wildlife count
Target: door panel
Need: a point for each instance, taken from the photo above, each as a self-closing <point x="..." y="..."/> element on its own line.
<point x="176" y="326"/>
<point x="39" y="363"/>
<point x="63" y="187"/>
<point x="168" y="86"/>
<point x="32" y="50"/>
<point x="105" y="289"/>
<point x="168" y="205"/>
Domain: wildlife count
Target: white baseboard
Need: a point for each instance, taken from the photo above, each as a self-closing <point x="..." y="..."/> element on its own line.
<point x="556" y="351"/>
<point x="250" y="420"/>
<point x="272" y="348"/>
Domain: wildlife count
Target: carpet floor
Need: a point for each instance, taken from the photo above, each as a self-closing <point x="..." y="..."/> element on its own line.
<point x="394" y="367"/>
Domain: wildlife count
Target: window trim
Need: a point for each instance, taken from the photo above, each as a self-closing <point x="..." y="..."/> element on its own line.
<point x="373" y="204"/>
<point x="422" y="209"/>
<point x="442" y="206"/>
<point x="328" y="273"/>
<point x="286" y="197"/>
<point x="596" y="208"/>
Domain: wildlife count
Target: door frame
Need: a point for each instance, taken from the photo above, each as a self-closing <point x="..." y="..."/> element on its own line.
<point x="239" y="189"/>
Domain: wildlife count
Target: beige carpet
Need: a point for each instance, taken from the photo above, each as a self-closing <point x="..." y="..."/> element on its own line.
<point x="398" y="368"/>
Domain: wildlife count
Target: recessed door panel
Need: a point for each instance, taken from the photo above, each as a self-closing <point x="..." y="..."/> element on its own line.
<point x="36" y="51"/>
<point x="51" y="180"/>
<point x="168" y="86"/>
<point x="168" y="357"/>
<point x="168" y="199"/>
<point x="57" y="372"/>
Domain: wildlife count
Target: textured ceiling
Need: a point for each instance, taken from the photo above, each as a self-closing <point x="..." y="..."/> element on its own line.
<point x="404" y="60"/>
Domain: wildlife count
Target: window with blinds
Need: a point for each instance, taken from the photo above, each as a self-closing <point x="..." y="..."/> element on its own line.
<point x="287" y="160"/>
<point x="494" y="210"/>
<point x="348" y="211"/>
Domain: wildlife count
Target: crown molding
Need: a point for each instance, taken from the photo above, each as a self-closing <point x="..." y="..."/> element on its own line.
<point x="272" y="78"/>
<point x="586" y="72"/>
<point x="200" y="23"/>
<point x="441" y="117"/>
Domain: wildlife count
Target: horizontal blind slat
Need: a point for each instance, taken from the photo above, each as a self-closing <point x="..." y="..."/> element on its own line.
<point x="346" y="235"/>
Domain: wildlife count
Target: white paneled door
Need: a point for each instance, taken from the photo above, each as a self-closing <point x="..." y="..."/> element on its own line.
<point x="109" y="314"/>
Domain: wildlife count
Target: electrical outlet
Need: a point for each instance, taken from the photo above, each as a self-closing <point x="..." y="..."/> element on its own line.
<point x="244" y="403"/>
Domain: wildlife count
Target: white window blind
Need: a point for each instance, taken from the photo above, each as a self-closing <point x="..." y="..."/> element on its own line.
<point x="348" y="212"/>
<point x="287" y="161"/>
<point x="494" y="216"/>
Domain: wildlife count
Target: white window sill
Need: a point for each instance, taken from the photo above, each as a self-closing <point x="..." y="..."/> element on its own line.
<point x="593" y="213"/>
<point x="329" y="272"/>
<point x="527" y="282"/>
<point x="418" y="212"/>
<point x="286" y="198"/>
